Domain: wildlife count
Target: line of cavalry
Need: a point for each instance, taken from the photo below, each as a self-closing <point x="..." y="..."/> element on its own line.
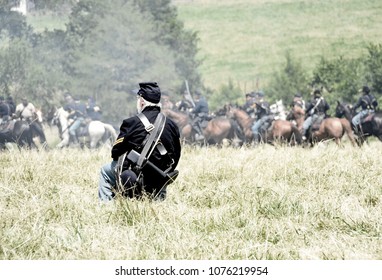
<point x="25" y="125"/>
<point x="231" y="123"/>
<point x="237" y="123"/>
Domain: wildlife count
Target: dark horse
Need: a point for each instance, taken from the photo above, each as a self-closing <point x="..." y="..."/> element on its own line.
<point x="215" y="132"/>
<point x="19" y="132"/>
<point x="370" y="126"/>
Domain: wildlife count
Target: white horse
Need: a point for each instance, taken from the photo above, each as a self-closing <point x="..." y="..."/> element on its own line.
<point x="278" y="110"/>
<point x="98" y="131"/>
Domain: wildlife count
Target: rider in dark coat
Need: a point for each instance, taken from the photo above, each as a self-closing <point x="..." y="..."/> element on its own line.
<point x="368" y="105"/>
<point x="316" y="109"/>
<point x="200" y="113"/>
<point x="249" y="106"/>
<point x="184" y="105"/>
<point x="263" y="118"/>
<point x="11" y="104"/>
<point x="4" y="110"/>
<point x="77" y="115"/>
<point x="131" y="137"/>
<point x="93" y="111"/>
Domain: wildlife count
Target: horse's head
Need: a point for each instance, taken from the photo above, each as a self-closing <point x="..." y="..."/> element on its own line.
<point x="230" y="111"/>
<point x="60" y="118"/>
<point x="343" y="109"/>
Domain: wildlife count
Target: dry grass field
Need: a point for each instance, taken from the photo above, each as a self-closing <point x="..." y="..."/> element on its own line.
<point x="264" y="203"/>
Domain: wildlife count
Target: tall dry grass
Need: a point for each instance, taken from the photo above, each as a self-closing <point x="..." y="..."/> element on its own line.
<point x="247" y="203"/>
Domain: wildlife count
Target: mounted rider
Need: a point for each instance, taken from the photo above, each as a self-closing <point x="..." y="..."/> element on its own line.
<point x="77" y="115"/>
<point x="316" y="111"/>
<point x="185" y="104"/>
<point x="368" y="104"/>
<point x="249" y="105"/>
<point x="27" y="111"/>
<point x="4" y="111"/>
<point x="11" y="104"/>
<point x="93" y="111"/>
<point x="200" y="114"/>
<point x="298" y="101"/>
<point x="264" y="117"/>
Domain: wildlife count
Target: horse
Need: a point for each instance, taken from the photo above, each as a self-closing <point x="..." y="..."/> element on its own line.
<point x="19" y="132"/>
<point x="98" y="133"/>
<point x="333" y="128"/>
<point x="297" y="115"/>
<point x="370" y="126"/>
<point x="216" y="130"/>
<point x="279" y="131"/>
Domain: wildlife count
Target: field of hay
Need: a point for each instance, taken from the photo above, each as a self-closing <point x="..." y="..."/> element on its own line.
<point x="263" y="203"/>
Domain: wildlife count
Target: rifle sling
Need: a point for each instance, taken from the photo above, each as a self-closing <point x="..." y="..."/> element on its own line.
<point x="155" y="134"/>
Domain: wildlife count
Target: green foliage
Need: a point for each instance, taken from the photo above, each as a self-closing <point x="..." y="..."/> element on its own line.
<point x="112" y="51"/>
<point x="106" y="49"/>
<point x="373" y="63"/>
<point x="291" y="79"/>
<point x="170" y="32"/>
<point x="6" y="5"/>
<point x="228" y="94"/>
<point x="340" y="77"/>
<point x="13" y="23"/>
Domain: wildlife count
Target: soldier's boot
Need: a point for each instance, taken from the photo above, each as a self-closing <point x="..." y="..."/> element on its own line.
<point x="75" y="140"/>
<point x="256" y="138"/>
<point x="357" y="130"/>
<point x="303" y="133"/>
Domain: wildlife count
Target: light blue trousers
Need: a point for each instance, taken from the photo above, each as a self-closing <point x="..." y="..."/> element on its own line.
<point x="75" y="125"/>
<point x="356" y="120"/>
<point x="107" y="181"/>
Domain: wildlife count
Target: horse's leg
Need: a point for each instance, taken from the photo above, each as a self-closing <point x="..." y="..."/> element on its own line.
<point x="65" y="141"/>
<point x="96" y="130"/>
<point x="349" y="132"/>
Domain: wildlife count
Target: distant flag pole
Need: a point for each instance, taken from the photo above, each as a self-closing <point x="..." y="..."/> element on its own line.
<point x="188" y="96"/>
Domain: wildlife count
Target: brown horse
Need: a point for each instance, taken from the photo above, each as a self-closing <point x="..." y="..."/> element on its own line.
<point x="215" y="132"/>
<point x="333" y="128"/>
<point x="183" y="121"/>
<point x="330" y="128"/>
<point x="297" y="114"/>
<point x="280" y="130"/>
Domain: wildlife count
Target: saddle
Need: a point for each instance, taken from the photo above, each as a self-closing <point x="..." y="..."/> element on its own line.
<point x="267" y="125"/>
<point x="317" y="122"/>
<point x="204" y="123"/>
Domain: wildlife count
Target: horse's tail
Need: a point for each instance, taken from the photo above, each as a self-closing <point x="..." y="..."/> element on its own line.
<point x="113" y="134"/>
<point x="237" y="131"/>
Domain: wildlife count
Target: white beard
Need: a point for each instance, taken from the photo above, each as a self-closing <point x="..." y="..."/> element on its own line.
<point x="139" y="107"/>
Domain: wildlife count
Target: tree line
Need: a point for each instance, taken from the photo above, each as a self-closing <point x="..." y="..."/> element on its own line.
<point x="108" y="46"/>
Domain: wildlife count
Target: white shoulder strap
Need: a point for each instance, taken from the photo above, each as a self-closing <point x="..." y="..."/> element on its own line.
<point x="148" y="125"/>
